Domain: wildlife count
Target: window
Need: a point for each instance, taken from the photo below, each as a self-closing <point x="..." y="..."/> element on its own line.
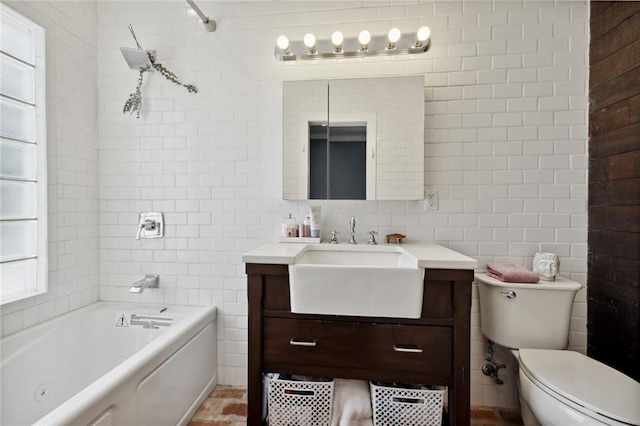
<point x="23" y="183"/>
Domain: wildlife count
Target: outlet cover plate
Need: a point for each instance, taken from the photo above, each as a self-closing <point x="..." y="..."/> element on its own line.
<point x="431" y="200"/>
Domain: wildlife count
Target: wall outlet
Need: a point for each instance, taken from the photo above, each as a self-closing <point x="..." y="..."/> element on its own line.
<point x="431" y="200"/>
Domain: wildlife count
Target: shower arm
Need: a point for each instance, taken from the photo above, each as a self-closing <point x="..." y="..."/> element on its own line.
<point x="209" y="24"/>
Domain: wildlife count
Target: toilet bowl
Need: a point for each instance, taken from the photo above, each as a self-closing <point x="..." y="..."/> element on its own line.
<point x="556" y="387"/>
<point x="569" y="388"/>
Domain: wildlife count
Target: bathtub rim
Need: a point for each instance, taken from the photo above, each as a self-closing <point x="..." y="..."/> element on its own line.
<point x="45" y="328"/>
<point x="153" y="354"/>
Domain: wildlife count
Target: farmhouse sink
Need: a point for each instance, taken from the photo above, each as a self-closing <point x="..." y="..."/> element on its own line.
<point x="371" y="281"/>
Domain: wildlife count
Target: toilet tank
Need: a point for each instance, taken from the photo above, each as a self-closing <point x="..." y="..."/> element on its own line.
<point x="516" y="315"/>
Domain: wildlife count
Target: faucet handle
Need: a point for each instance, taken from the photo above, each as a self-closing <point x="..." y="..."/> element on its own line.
<point x="334" y="237"/>
<point x="372" y="238"/>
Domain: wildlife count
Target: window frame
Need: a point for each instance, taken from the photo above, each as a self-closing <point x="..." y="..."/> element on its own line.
<point x="40" y="283"/>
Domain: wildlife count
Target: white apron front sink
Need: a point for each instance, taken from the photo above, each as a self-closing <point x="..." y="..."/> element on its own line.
<point x="371" y="281"/>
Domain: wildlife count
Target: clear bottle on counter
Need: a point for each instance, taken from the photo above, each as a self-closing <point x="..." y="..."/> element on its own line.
<point x="290" y="227"/>
<point x="306" y="227"/>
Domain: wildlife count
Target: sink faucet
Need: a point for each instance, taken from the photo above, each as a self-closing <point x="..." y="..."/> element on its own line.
<point x="352" y="230"/>
<point x="149" y="281"/>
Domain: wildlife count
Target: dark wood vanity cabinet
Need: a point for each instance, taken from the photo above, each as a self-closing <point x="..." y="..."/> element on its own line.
<point x="433" y="349"/>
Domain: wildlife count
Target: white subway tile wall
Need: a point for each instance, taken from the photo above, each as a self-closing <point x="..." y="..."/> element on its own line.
<point x="505" y="147"/>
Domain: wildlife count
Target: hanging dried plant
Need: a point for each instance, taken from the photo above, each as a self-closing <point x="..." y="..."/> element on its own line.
<point x="171" y="76"/>
<point x="134" y="103"/>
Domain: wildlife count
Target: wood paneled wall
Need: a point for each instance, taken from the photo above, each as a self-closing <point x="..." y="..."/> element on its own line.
<point x="613" y="282"/>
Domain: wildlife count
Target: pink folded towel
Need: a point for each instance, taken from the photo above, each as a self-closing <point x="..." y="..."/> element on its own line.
<point x="509" y="272"/>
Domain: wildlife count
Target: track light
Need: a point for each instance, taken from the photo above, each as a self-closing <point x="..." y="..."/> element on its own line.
<point x="338" y="46"/>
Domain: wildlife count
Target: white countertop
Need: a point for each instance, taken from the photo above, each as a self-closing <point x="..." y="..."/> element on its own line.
<point x="429" y="255"/>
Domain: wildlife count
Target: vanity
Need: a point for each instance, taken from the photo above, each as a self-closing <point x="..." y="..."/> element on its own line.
<point x="431" y="348"/>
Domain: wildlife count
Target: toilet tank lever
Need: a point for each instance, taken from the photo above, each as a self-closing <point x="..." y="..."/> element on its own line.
<point x="510" y="294"/>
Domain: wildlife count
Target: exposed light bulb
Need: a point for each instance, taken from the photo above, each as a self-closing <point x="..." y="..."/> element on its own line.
<point x="283" y="42"/>
<point x="337" y="38"/>
<point x="364" y="38"/>
<point x="394" y="35"/>
<point x="423" y="34"/>
<point x="309" y="40"/>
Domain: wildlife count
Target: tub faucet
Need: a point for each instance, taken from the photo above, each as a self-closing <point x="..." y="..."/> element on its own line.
<point x="149" y="281"/>
<point x="352" y="230"/>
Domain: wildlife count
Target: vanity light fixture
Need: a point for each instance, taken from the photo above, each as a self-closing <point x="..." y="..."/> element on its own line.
<point x="337" y="38"/>
<point x="422" y="36"/>
<point x="310" y="42"/>
<point x="283" y="44"/>
<point x="337" y="47"/>
<point x="393" y="37"/>
<point x="364" y="38"/>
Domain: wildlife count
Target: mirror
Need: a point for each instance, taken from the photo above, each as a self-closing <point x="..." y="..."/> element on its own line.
<point x="354" y="139"/>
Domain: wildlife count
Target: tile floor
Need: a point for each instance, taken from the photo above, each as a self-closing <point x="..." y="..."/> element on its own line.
<point x="227" y="406"/>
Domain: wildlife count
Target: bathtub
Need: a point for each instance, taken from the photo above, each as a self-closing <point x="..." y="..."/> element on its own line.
<point x="110" y="364"/>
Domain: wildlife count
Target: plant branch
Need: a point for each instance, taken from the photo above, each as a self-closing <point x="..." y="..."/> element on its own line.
<point x="171" y="76"/>
<point x="134" y="103"/>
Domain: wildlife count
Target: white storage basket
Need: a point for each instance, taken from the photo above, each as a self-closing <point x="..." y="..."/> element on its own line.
<point x="299" y="403"/>
<point x="394" y="406"/>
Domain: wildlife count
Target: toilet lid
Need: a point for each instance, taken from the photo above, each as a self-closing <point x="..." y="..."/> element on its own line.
<point x="585" y="381"/>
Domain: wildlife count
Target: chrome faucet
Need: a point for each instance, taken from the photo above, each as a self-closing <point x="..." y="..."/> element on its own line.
<point x="352" y="230"/>
<point x="149" y="281"/>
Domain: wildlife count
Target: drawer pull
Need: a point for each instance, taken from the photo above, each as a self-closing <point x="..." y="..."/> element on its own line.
<point x="295" y="342"/>
<point x="411" y="349"/>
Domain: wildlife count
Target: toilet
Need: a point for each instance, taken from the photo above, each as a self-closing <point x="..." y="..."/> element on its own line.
<point x="556" y="387"/>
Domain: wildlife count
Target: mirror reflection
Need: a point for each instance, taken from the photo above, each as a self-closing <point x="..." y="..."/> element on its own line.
<point x="338" y="161"/>
<point x="354" y="139"/>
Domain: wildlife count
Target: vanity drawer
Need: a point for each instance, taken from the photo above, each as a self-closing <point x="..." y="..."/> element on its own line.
<point x="349" y="345"/>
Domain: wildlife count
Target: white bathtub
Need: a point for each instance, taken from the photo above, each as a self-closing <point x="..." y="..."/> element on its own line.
<point x="110" y="364"/>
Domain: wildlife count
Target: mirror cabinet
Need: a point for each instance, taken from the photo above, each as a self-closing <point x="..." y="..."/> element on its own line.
<point x="354" y="139"/>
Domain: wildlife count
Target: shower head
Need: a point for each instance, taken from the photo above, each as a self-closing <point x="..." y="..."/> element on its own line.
<point x="138" y="59"/>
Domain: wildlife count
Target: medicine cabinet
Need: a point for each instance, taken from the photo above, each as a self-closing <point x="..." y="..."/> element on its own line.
<point x="354" y="139"/>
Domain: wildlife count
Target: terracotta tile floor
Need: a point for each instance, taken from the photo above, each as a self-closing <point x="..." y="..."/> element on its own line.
<point x="483" y="416"/>
<point x="227" y="406"/>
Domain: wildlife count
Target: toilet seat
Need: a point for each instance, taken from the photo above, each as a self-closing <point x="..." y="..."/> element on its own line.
<point x="596" y="389"/>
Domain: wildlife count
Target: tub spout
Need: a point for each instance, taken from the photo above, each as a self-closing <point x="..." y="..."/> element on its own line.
<point x="149" y="281"/>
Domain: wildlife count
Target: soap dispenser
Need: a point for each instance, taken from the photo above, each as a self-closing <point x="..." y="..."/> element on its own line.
<point x="289" y="227"/>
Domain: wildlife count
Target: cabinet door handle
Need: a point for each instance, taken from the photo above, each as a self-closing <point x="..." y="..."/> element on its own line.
<point x="411" y="349"/>
<point x="296" y="342"/>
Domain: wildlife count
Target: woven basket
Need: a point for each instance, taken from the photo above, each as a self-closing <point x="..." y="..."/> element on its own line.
<point x="406" y="407"/>
<point x="299" y="403"/>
